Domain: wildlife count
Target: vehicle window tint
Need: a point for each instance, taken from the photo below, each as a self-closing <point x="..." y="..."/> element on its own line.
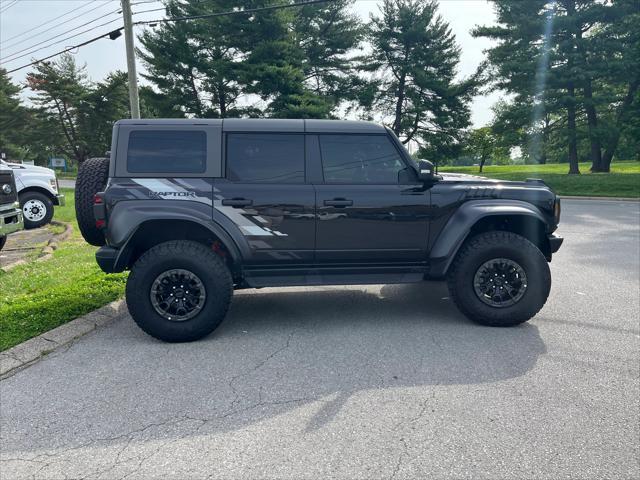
<point x="167" y="151"/>
<point x="359" y="159"/>
<point x="265" y="158"/>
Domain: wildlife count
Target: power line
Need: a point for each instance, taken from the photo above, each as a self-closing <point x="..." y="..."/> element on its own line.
<point x="113" y="33"/>
<point x="52" y="20"/>
<point x="14" y="58"/>
<point x="233" y="12"/>
<point x="94" y="39"/>
<point x="7" y="7"/>
<point x="5" y="46"/>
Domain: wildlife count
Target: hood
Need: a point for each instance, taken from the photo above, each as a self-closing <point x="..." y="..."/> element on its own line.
<point x="463" y="177"/>
<point x="21" y="167"/>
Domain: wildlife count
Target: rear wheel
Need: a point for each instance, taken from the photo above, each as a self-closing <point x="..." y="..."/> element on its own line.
<point x="179" y="291"/>
<point x="499" y="279"/>
<point x="37" y="209"/>
<point x="92" y="178"/>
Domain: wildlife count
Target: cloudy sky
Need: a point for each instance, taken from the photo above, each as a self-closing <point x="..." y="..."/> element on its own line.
<point x="36" y="28"/>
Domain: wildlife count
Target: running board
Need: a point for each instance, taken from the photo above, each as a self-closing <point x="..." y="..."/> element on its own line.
<point x="332" y="276"/>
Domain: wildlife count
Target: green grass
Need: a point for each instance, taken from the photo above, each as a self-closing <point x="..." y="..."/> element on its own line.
<point x="39" y="296"/>
<point x="623" y="181"/>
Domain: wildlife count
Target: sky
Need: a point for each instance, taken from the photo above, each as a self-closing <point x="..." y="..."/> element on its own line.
<point x="29" y="29"/>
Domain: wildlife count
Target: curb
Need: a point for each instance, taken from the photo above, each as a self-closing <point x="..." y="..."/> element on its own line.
<point x="606" y="199"/>
<point x="33" y="350"/>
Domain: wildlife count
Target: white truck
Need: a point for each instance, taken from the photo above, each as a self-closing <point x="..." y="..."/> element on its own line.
<point x="38" y="192"/>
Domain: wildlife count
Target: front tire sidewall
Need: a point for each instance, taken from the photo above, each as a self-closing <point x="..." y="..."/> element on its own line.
<point x="45" y="201"/>
<point x="218" y="292"/>
<point x="520" y="251"/>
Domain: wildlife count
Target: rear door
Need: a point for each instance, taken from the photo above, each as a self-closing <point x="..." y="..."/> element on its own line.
<point x="265" y="194"/>
<point x="371" y="206"/>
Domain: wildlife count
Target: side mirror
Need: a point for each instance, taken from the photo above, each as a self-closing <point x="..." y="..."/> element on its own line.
<point x="426" y="171"/>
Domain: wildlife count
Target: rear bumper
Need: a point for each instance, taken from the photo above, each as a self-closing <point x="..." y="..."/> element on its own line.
<point x="11" y="220"/>
<point x="554" y="242"/>
<point x="107" y="258"/>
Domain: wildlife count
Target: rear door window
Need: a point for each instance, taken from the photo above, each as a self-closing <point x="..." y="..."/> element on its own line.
<point x="265" y="158"/>
<point x="167" y="151"/>
<point x="360" y="159"/>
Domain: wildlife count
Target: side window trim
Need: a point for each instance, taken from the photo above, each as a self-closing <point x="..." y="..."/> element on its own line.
<point x="392" y="141"/>
<point x="225" y="155"/>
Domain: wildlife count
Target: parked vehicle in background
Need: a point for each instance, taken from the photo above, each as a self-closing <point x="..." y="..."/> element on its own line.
<point x="10" y="214"/>
<point x="198" y="208"/>
<point x="38" y="192"/>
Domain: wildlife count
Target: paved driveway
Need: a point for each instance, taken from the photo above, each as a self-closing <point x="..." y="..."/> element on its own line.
<point x="375" y="382"/>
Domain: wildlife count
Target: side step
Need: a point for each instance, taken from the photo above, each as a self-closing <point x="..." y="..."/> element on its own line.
<point x="333" y="276"/>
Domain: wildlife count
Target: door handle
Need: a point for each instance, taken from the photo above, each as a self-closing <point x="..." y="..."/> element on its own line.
<point x="338" y="202"/>
<point x="236" y="202"/>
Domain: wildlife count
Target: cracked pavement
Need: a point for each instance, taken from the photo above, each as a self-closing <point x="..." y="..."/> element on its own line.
<point x="356" y="382"/>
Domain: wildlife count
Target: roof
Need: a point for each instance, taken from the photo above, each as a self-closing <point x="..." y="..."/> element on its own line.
<point x="267" y="124"/>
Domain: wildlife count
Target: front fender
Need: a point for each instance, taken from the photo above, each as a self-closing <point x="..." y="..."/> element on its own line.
<point x="459" y="226"/>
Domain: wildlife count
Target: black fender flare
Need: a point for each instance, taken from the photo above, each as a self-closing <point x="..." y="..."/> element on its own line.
<point x="458" y="227"/>
<point x="127" y="216"/>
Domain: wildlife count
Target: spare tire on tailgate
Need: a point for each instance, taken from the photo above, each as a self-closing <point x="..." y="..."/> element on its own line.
<point x="92" y="178"/>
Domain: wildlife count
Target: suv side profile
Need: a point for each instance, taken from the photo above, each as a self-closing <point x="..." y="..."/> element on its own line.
<point x="197" y="208"/>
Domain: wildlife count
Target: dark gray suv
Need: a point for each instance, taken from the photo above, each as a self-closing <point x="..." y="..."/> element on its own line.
<point x="197" y="208"/>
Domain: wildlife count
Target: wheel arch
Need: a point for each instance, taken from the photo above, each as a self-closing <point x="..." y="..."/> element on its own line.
<point x="482" y="216"/>
<point x="134" y="226"/>
<point x="38" y="189"/>
<point x="152" y="232"/>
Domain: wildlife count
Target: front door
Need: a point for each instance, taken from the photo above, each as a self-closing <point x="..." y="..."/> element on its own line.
<point x="266" y="196"/>
<point x="371" y="208"/>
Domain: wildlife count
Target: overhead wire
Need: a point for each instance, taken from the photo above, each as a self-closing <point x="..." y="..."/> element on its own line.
<point x="90" y="3"/>
<point x="7" y="7"/>
<point x="164" y="20"/>
<point x="10" y="45"/>
<point x="13" y="56"/>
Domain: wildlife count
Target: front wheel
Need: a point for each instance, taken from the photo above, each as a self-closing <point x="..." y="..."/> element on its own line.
<point x="37" y="209"/>
<point x="179" y="291"/>
<point x="499" y="279"/>
<point x="3" y="240"/>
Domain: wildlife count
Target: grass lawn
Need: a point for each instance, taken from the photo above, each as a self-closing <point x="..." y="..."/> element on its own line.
<point x="39" y="296"/>
<point x="623" y="181"/>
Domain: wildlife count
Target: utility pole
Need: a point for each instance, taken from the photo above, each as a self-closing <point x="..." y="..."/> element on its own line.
<point x="131" y="59"/>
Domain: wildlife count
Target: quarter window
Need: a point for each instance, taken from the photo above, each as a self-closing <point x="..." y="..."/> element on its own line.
<point x="360" y="159"/>
<point x="167" y="151"/>
<point x="265" y="158"/>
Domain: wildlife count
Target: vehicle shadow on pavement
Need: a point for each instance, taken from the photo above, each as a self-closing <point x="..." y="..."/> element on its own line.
<point x="277" y="351"/>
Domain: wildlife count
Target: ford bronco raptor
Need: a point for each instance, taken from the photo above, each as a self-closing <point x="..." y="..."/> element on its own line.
<point x="197" y="208"/>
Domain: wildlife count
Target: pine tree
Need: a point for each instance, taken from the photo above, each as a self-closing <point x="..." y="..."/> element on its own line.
<point x="413" y="61"/>
<point x="60" y="88"/>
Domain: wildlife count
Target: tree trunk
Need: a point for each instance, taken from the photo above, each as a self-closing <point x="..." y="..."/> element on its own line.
<point x="482" y="162"/>
<point x="571" y="131"/>
<point x="400" y="100"/>
<point x="624" y="107"/>
<point x="592" y="121"/>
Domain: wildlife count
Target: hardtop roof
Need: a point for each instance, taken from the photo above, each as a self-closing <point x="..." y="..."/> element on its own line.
<point x="267" y="124"/>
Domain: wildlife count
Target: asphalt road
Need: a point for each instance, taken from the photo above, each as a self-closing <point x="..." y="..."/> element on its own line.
<point x="358" y="382"/>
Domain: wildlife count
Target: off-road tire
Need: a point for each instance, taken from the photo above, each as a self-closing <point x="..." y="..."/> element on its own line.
<point x="180" y="254"/>
<point x="42" y="200"/>
<point x="3" y="241"/>
<point x="92" y="178"/>
<point x="499" y="244"/>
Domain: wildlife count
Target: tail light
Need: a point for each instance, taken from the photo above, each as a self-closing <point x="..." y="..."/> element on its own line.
<point x="99" y="210"/>
<point x="556" y="210"/>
